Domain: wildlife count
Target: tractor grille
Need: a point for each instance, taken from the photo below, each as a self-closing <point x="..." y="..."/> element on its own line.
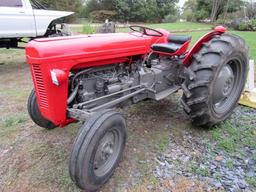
<point x="39" y="83"/>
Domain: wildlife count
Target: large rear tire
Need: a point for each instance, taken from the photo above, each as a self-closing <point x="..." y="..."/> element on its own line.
<point x="215" y="80"/>
<point x="35" y="114"/>
<point x="97" y="150"/>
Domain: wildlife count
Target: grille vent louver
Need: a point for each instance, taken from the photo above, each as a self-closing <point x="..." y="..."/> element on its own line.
<point x="42" y="101"/>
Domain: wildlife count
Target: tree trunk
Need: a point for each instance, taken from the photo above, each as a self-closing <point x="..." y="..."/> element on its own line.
<point x="215" y="8"/>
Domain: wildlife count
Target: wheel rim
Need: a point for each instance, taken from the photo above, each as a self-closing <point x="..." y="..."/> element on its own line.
<point x="227" y="87"/>
<point x="107" y="152"/>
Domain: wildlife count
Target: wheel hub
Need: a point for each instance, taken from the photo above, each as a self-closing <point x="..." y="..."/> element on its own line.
<point x="107" y="152"/>
<point x="104" y="151"/>
<point x="227" y="86"/>
<point x="223" y="85"/>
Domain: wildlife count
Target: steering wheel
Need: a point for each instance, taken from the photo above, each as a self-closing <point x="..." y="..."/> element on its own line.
<point x="145" y="31"/>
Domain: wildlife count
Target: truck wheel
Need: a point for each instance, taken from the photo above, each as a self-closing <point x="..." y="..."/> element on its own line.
<point x="97" y="150"/>
<point x="35" y="114"/>
<point x="215" y="80"/>
<point x="64" y="30"/>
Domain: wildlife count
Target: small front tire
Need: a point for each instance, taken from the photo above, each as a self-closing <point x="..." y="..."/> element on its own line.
<point x="35" y="114"/>
<point x="97" y="150"/>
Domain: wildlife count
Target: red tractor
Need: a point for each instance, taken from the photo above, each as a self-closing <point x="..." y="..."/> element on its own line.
<point x="82" y="78"/>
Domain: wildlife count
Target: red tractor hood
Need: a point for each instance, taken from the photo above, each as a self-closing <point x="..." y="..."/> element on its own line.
<point x="93" y="47"/>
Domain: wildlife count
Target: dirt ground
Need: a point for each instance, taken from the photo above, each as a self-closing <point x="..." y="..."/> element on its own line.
<point x="33" y="159"/>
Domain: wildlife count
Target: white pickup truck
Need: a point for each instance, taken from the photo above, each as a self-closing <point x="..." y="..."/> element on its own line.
<point x="30" y="19"/>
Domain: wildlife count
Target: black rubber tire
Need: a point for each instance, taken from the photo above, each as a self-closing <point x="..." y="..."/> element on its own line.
<point x="35" y="114"/>
<point x="81" y="164"/>
<point x="197" y="99"/>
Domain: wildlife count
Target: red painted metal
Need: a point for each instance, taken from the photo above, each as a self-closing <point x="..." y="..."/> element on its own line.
<point x="60" y="55"/>
<point x="197" y="46"/>
<point x="220" y="29"/>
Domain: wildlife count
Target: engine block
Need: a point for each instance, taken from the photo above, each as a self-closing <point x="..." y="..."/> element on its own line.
<point x="103" y="81"/>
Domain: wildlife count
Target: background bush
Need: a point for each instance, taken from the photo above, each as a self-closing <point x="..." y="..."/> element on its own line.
<point x="170" y="18"/>
<point x="247" y="26"/>
<point x="244" y="24"/>
<point x="102" y="15"/>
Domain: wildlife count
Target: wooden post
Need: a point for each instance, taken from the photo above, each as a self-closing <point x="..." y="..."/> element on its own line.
<point x="250" y="78"/>
<point x="248" y="98"/>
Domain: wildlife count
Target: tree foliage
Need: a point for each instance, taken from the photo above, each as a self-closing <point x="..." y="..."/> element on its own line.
<point x="134" y="10"/>
<point x="118" y="10"/>
<point x="196" y="10"/>
<point x="64" y="5"/>
<point x="251" y="10"/>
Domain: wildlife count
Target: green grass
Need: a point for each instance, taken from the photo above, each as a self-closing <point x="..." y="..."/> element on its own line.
<point x="254" y="156"/>
<point x="199" y="170"/>
<point x="231" y="137"/>
<point x="251" y="181"/>
<point x="10" y="126"/>
<point x="14" y="120"/>
<point x="88" y="29"/>
<point x="12" y="56"/>
<point x="17" y="94"/>
<point x="250" y="38"/>
<point x="230" y="164"/>
<point x="162" y="142"/>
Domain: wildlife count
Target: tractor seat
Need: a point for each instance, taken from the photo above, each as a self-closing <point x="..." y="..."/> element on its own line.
<point x="175" y="42"/>
<point x="179" y="39"/>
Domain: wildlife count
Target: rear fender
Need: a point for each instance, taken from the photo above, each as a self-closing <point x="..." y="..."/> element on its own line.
<point x="219" y="30"/>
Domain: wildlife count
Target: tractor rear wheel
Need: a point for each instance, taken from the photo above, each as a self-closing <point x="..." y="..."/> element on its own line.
<point x="35" y="114"/>
<point x="215" y="80"/>
<point x="97" y="150"/>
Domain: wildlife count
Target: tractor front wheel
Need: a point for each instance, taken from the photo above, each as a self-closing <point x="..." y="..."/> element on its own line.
<point x="215" y="80"/>
<point x="35" y="114"/>
<point x="97" y="150"/>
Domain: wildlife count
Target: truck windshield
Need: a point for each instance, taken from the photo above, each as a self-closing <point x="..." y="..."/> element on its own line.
<point x="37" y="5"/>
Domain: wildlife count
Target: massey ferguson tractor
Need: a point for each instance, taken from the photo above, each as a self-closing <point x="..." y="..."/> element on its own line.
<point x="83" y="78"/>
